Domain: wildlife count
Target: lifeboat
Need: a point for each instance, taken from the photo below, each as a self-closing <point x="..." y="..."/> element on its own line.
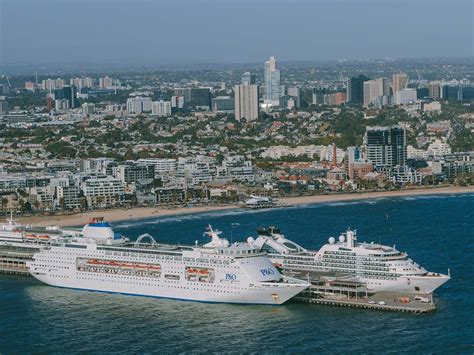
<point x="34" y="236"/>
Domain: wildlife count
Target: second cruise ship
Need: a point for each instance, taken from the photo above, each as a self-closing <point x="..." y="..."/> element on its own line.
<point x="380" y="267"/>
<point x="98" y="259"/>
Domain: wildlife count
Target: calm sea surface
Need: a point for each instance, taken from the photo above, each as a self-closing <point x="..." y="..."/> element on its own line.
<point x="436" y="231"/>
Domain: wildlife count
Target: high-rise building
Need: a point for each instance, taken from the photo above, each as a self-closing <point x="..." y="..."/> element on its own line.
<point x="422" y="93"/>
<point x="386" y="146"/>
<point x="201" y="98"/>
<point x="318" y="96"/>
<point x="355" y="89"/>
<point x="177" y="102"/>
<point x="3" y="107"/>
<point x="82" y="82"/>
<point x="399" y="82"/>
<point x="88" y="109"/>
<point x="246" y="102"/>
<point x="69" y="93"/>
<point x="106" y="83"/>
<point x="223" y="104"/>
<point x="61" y="104"/>
<point x="434" y="90"/>
<point x="185" y="93"/>
<point x="273" y="88"/>
<point x="295" y="92"/>
<point x="138" y="104"/>
<point x="374" y="89"/>
<point x="404" y="96"/>
<point x="49" y="103"/>
<point x="161" y="108"/>
<point x="52" y="84"/>
<point x="248" y="79"/>
<point x="452" y="92"/>
<point x="335" y="99"/>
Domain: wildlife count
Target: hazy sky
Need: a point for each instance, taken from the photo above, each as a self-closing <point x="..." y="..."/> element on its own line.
<point x="219" y="31"/>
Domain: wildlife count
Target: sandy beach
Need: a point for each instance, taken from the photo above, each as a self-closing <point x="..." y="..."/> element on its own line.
<point x="147" y="212"/>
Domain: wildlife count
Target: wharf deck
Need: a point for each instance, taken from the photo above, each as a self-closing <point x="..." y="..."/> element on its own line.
<point x="390" y="301"/>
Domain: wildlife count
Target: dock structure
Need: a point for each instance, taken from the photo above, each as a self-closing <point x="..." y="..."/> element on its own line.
<point x="349" y="293"/>
<point x="13" y="258"/>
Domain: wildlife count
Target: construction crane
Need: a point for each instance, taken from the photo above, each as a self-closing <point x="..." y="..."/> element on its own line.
<point x="8" y="80"/>
<point x="418" y="73"/>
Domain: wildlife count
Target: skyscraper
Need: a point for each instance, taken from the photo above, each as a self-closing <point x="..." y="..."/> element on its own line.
<point x="273" y="89"/>
<point x="161" y="108"/>
<point x="296" y="93"/>
<point x="386" y="146"/>
<point x="105" y="82"/>
<point x="399" y="82"/>
<point x="374" y="89"/>
<point x="246" y="102"/>
<point x="355" y="89"/>
<point x="201" y="98"/>
<point x="434" y="89"/>
<point x="248" y="78"/>
<point x="69" y="93"/>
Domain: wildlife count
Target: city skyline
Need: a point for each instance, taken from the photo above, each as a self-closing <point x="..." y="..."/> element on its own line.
<point x="204" y="31"/>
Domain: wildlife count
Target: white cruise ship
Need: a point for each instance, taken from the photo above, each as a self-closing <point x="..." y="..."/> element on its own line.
<point x="218" y="271"/>
<point x="380" y="267"/>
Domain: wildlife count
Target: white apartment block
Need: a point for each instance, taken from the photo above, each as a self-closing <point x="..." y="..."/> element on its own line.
<point x="82" y="82"/>
<point x="196" y="170"/>
<point x="439" y="148"/>
<point x="52" y="84"/>
<point x="163" y="167"/>
<point x="96" y="165"/>
<point x="246" y="102"/>
<point x="161" y="108"/>
<point x="138" y="104"/>
<point x="106" y="83"/>
<point x="88" y="109"/>
<point x="103" y="192"/>
<point x="43" y="195"/>
<point x="413" y="152"/>
<point x="69" y="196"/>
<point x="114" y="108"/>
<point x="374" y="89"/>
<point x="237" y="168"/>
<point x="323" y="152"/>
<point x="405" y="97"/>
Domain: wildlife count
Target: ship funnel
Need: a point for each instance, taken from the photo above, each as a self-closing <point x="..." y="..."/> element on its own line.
<point x="350" y="238"/>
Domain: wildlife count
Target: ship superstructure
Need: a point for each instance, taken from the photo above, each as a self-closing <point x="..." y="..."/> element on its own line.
<point x="217" y="271"/>
<point x="380" y="267"/>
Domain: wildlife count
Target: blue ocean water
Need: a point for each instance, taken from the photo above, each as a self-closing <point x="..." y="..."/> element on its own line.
<point x="436" y="231"/>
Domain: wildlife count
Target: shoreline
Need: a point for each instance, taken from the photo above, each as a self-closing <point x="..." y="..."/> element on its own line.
<point x="117" y="215"/>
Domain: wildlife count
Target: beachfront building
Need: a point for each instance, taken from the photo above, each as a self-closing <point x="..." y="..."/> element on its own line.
<point x="238" y="168"/>
<point x="103" y="192"/>
<point x="68" y="196"/>
<point x="386" y="146"/>
<point x="196" y="170"/>
<point x="131" y="172"/>
<point x="163" y="167"/>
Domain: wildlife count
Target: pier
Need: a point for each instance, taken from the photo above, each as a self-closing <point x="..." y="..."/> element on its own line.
<point x="13" y="259"/>
<point x="348" y="293"/>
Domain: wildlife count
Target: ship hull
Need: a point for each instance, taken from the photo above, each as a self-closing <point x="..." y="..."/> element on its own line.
<point x="258" y="294"/>
<point x="412" y="284"/>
